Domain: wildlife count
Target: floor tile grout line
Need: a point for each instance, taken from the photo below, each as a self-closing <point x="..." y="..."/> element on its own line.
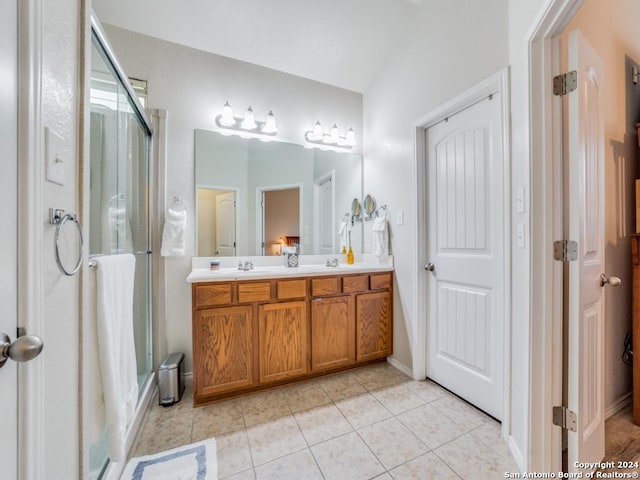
<point x="317" y="464"/>
<point x="445" y="462"/>
<point x="499" y="439"/>
<point x="384" y="467"/>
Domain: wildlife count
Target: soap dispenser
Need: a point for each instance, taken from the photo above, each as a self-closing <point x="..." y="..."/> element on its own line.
<point x="350" y="256"/>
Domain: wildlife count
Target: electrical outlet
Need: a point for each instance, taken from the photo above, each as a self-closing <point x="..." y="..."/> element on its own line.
<point x="400" y="217"/>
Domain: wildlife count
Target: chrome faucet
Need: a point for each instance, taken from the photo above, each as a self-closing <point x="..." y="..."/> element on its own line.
<point x="332" y="263"/>
<point x="246" y="266"/>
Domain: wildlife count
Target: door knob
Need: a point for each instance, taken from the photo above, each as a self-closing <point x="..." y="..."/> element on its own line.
<point x="613" y="281"/>
<point x="23" y="349"/>
<point x="429" y="267"/>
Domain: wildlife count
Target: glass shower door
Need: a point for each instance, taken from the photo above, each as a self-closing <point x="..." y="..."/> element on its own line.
<point x="119" y="223"/>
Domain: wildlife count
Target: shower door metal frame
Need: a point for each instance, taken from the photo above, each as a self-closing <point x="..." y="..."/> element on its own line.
<point x="99" y="40"/>
<point x="98" y="34"/>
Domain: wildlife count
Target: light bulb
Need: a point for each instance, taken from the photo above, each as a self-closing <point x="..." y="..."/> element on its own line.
<point x="249" y="122"/>
<point x="270" y="124"/>
<point x="226" y="119"/>
<point x="350" y="140"/>
<point x="317" y="131"/>
<point x="334" y="137"/>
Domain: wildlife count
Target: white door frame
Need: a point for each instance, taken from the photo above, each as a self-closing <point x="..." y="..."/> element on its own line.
<point x="30" y="233"/>
<point x="260" y="212"/>
<point x="545" y="159"/>
<point x="498" y="82"/>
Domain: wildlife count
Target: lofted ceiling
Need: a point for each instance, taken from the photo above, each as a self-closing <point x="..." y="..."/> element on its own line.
<point x="339" y="42"/>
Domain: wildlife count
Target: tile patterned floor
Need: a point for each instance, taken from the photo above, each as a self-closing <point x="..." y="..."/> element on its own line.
<point x="373" y="422"/>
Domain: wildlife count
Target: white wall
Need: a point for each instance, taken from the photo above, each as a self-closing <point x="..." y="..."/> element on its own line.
<point x="193" y="85"/>
<point x="450" y="47"/>
<point x="60" y="302"/>
<point x="612" y="29"/>
<point x="521" y="16"/>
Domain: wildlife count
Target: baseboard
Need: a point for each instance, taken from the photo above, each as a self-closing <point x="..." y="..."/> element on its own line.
<point x="114" y="469"/>
<point x="402" y="367"/>
<point x="618" y="405"/>
<point x="516" y="453"/>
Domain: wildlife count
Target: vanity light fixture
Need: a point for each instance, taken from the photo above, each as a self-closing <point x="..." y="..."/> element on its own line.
<point x="247" y="125"/>
<point x="332" y="139"/>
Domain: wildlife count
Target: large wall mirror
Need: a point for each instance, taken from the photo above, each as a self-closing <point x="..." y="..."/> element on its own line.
<point x="253" y="197"/>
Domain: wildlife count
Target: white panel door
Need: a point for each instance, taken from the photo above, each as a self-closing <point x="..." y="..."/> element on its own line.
<point x="8" y="243"/>
<point x="226" y="224"/>
<point x="326" y="221"/>
<point x="466" y="249"/>
<point x="585" y="155"/>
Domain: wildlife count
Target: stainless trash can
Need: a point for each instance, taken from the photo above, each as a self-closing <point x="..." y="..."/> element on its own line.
<point x="170" y="381"/>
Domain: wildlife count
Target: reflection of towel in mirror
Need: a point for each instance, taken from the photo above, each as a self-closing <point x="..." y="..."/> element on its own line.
<point x="114" y="317"/>
<point x="380" y="236"/>
<point x="345" y="228"/>
<point x="173" y="233"/>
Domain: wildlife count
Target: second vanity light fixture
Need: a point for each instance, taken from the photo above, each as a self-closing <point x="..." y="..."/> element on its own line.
<point x="332" y="139"/>
<point x="248" y="123"/>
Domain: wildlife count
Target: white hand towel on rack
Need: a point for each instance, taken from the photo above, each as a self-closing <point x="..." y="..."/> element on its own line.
<point x="343" y="231"/>
<point x="380" y="235"/>
<point x="173" y="233"/>
<point x="120" y="229"/>
<point x="115" y="280"/>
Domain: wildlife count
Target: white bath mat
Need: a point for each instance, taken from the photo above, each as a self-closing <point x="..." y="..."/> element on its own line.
<point x="189" y="462"/>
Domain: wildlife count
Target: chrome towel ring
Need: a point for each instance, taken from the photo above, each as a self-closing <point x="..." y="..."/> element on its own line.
<point x="58" y="217"/>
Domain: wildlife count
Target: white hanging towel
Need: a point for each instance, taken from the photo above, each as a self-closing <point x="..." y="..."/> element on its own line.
<point x="173" y="233"/>
<point x="380" y="235"/>
<point x="120" y="229"/>
<point x="343" y="231"/>
<point x="115" y="280"/>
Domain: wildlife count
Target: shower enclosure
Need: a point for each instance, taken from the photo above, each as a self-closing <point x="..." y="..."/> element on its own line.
<point x="119" y="210"/>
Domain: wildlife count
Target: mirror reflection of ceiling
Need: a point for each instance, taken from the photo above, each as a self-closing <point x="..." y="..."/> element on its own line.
<point x="337" y="42"/>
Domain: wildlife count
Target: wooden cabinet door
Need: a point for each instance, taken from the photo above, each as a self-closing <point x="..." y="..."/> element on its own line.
<point x="282" y="336"/>
<point x="222" y="350"/>
<point x="333" y="332"/>
<point x="373" y="323"/>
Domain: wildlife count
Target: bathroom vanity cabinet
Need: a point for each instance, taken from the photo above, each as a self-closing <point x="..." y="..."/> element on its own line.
<point x="255" y="334"/>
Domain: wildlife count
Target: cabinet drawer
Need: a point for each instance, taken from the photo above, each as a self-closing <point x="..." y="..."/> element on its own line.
<point x="359" y="283"/>
<point x="380" y="281"/>
<point x="325" y="286"/>
<point x="208" y="295"/>
<point x="254" y="292"/>
<point x="291" y="289"/>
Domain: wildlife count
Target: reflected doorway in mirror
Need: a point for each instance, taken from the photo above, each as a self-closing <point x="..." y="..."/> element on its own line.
<point x="216" y="232"/>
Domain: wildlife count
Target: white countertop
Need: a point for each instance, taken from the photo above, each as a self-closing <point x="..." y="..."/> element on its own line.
<point x="272" y="267"/>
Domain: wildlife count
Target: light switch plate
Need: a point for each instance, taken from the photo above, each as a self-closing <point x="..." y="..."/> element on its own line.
<point x="400" y="217"/>
<point x="54" y="148"/>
